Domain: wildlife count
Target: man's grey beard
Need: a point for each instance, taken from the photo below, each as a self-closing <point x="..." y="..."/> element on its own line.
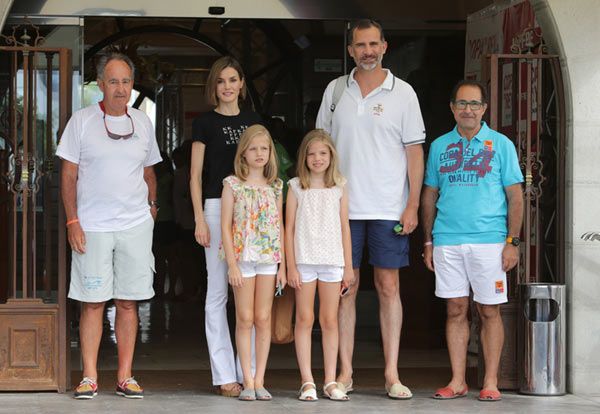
<point x="368" y="67"/>
<point x="371" y="66"/>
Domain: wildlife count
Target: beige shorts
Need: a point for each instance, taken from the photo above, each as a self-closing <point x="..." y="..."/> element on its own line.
<point x="115" y="265"/>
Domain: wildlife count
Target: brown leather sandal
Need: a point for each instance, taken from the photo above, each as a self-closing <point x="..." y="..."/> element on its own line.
<point x="234" y="391"/>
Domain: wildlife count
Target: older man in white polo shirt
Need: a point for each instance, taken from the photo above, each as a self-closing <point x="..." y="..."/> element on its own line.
<point x="378" y="131"/>
<point x="109" y="194"/>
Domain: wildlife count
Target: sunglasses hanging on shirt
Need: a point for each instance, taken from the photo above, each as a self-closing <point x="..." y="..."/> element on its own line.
<point x="112" y="135"/>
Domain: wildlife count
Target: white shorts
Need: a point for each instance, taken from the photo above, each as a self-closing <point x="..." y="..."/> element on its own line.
<point x="115" y="265"/>
<point x="325" y="273"/>
<point x="251" y="269"/>
<point x="476" y="265"/>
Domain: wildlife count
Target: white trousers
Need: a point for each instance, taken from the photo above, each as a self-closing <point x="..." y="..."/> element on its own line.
<point x="222" y="360"/>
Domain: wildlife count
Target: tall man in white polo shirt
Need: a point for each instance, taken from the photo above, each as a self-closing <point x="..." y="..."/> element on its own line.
<point x="109" y="193"/>
<point x="378" y="131"/>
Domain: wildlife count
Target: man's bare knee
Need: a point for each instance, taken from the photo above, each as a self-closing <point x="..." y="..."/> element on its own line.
<point x="457" y="308"/>
<point x="93" y="306"/>
<point x="387" y="283"/>
<point x="488" y="312"/>
<point x="126" y="305"/>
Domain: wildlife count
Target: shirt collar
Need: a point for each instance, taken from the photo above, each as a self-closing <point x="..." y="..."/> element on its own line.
<point x="388" y="82"/>
<point x="481" y="136"/>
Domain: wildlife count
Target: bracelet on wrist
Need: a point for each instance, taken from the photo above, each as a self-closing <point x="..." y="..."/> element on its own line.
<point x="428" y="243"/>
<point x="72" y="222"/>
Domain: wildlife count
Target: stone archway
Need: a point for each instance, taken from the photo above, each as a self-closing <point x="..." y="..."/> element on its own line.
<point x="571" y="30"/>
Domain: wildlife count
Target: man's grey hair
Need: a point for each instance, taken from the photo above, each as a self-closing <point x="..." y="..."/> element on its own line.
<point x="103" y="61"/>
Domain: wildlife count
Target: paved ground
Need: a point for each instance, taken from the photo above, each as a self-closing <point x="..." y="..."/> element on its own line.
<point x="172" y="364"/>
<point x="365" y="401"/>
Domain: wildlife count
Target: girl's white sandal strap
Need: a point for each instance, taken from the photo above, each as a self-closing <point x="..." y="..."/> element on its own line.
<point x="336" y="394"/>
<point x="308" y="394"/>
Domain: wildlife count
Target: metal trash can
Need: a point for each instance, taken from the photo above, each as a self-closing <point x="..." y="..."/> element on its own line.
<point x="542" y="339"/>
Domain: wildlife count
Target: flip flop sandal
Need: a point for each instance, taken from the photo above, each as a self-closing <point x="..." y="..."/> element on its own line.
<point x="489" y="395"/>
<point x="307" y="393"/>
<point x="247" y="394"/>
<point x="398" y="392"/>
<point x="263" y="395"/>
<point x="335" y="394"/>
<point x="448" y="393"/>
<point x="346" y="388"/>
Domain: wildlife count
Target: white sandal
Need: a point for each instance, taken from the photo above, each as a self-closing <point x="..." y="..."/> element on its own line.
<point x="336" y="394"/>
<point x="308" y="394"/>
<point x="347" y="388"/>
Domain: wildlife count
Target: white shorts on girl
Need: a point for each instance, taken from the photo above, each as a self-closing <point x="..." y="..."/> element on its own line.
<point x="475" y="266"/>
<point x="251" y="269"/>
<point x="324" y="273"/>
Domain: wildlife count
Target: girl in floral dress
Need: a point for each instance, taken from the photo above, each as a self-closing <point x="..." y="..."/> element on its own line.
<point x="252" y="230"/>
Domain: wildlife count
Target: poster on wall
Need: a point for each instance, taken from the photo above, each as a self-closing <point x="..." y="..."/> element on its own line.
<point x="504" y="27"/>
<point x="484" y="36"/>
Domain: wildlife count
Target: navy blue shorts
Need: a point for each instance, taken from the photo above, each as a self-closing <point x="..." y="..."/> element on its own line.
<point x="386" y="249"/>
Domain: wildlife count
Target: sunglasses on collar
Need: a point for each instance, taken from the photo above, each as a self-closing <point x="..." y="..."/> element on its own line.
<point x="112" y="135"/>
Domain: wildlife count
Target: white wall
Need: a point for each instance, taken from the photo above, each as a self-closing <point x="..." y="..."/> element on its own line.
<point x="572" y="29"/>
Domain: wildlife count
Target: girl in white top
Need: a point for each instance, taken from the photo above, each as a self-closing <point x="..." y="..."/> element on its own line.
<point x="318" y="253"/>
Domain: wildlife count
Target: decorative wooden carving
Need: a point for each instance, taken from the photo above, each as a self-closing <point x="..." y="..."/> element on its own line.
<point x="28" y="345"/>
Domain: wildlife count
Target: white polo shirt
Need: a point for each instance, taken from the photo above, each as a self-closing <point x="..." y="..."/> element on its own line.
<point x="111" y="192"/>
<point x="370" y="135"/>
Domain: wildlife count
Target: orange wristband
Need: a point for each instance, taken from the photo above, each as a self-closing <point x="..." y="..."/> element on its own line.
<point x="72" y="222"/>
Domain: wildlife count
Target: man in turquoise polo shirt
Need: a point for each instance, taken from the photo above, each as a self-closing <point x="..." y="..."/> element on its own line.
<point x="472" y="207"/>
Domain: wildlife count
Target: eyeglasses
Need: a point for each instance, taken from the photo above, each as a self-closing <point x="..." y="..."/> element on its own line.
<point x="475" y="105"/>
<point x="112" y="135"/>
<point x="116" y="82"/>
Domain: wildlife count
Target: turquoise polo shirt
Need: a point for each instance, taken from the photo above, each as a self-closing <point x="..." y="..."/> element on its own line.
<point x="470" y="177"/>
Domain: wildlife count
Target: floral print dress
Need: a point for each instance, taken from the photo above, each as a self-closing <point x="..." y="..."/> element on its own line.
<point x="256" y="223"/>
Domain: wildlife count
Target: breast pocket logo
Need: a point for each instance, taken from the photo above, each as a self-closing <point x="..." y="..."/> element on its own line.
<point x="378" y="110"/>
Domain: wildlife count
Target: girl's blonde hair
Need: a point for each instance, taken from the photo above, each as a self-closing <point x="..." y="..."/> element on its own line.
<point x="332" y="174"/>
<point x="241" y="166"/>
<point x="220" y="64"/>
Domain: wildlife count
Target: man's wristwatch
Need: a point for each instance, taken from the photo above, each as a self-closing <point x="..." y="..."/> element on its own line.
<point x="153" y="203"/>
<point x="515" y="241"/>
